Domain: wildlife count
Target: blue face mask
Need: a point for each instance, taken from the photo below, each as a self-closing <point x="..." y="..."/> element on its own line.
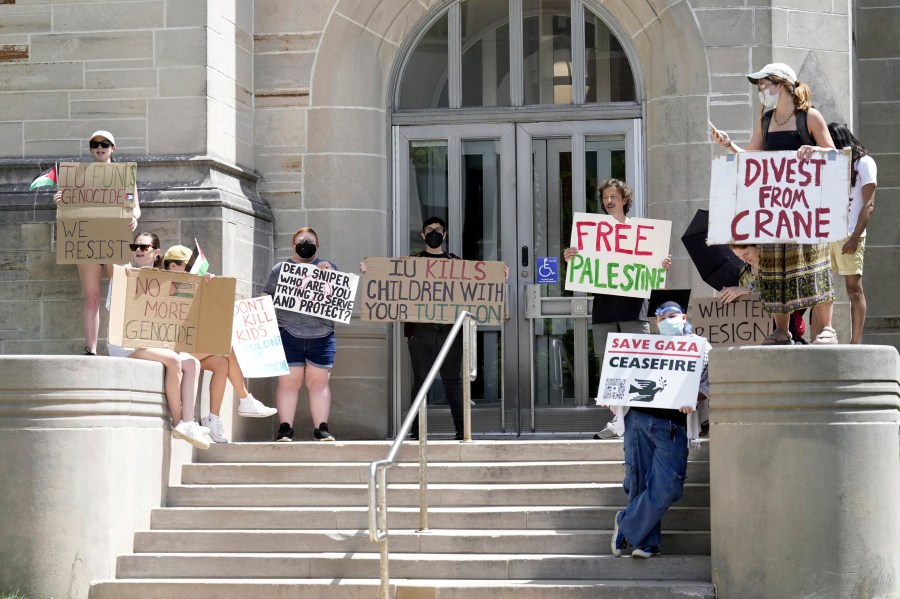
<point x="671" y="326"/>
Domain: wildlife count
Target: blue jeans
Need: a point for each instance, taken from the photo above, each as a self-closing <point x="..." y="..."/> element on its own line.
<point x="656" y="452"/>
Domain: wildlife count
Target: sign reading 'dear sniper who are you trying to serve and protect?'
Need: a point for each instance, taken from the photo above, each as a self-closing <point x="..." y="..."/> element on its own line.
<point x="308" y="289"/>
<point x="617" y="258"/>
<point x="93" y="216"/>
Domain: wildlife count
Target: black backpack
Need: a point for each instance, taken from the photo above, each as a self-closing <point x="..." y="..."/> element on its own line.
<point x="802" y="127"/>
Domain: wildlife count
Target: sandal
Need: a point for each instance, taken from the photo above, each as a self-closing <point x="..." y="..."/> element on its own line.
<point x="828" y="336"/>
<point x="778" y="337"/>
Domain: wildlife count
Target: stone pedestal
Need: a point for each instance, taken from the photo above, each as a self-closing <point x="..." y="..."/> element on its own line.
<point x="805" y="472"/>
<point x="86" y="454"/>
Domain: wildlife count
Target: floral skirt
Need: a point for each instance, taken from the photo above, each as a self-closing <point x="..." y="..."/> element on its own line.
<point x="794" y="276"/>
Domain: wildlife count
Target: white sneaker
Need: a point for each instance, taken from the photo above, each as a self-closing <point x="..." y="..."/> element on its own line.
<point x="216" y="430"/>
<point x="190" y="432"/>
<point x="608" y="432"/>
<point x="251" y="407"/>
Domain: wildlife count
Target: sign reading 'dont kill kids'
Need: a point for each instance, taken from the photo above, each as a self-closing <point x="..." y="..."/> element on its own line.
<point x="769" y="197"/>
<point x="255" y="338"/>
<point x="433" y="290"/>
<point x="742" y="322"/>
<point x="618" y="258"/>
<point x="321" y="292"/>
<point x="651" y="371"/>
<point x="174" y="310"/>
<point x="93" y="217"/>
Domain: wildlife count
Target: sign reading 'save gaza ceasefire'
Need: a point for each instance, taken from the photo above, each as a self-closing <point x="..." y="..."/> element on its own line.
<point x="93" y="216"/>
<point x="767" y="197"/>
<point x="618" y="258"/>
<point x="433" y="290"/>
<point x="651" y="371"/>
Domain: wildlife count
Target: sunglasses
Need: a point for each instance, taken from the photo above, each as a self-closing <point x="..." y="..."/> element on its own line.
<point x="178" y="262"/>
<point x="99" y="144"/>
<point x="141" y="246"/>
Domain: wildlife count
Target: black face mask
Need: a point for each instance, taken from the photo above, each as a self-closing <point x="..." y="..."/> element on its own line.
<point x="434" y="239"/>
<point x="305" y="249"/>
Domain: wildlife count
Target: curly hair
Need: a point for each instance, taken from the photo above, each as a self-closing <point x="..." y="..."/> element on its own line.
<point x="620" y="185"/>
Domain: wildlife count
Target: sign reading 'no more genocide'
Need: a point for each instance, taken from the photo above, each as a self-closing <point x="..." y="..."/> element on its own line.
<point x="321" y="292"/>
<point x="433" y="290"/>
<point x="93" y="216"/>
<point x="769" y="197"/>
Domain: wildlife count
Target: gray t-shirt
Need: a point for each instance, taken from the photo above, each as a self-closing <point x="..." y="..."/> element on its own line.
<point x="302" y="326"/>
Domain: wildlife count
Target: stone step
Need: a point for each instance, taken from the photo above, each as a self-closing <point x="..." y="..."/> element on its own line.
<point x="435" y="541"/>
<point x="603" y="494"/>
<point x="329" y="588"/>
<point x="417" y="565"/>
<point x="438" y="472"/>
<point x="561" y="517"/>
<point x="438" y="451"/>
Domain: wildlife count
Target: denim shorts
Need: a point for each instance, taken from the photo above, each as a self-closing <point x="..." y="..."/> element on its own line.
<point x="318" y="351"/>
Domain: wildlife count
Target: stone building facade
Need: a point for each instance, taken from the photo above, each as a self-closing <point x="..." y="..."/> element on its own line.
<point x="249" y="119"/>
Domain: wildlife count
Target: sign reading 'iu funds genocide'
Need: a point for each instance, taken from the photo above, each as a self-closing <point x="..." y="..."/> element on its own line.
<point x="618" y="258"/>
<point x="433" y="290"/>
<point x="742" y="322"/>
<point x="93" y="217"/>
<point x="255" y="339"/>
<point x="767" y="197"/>
<point x="175" y="310"/>
<point x="321" y="292"/>
<point x="651" y="371"/>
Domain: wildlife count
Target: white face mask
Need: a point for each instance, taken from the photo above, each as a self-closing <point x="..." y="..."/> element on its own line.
<point x="768" y="100"/>
<point x="671" y="326"/>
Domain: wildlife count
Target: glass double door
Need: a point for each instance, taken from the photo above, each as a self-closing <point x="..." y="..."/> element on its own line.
<point x="508" y="193"/>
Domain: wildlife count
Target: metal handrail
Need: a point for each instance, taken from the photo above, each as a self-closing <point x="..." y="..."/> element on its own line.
<point x="378" y="531"/>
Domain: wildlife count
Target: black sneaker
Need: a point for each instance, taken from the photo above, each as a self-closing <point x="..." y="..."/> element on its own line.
<point x="458" y="437"/>
<point x="285" y="433"/>
<point x="88" y="352"/>
<point x="322" y="434"/>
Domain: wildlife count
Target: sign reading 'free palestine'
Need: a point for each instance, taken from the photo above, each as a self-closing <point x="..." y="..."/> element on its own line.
<point x="618" y="258"/>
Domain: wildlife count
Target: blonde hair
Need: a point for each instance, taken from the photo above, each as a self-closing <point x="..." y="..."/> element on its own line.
<point x="305" y="230"/>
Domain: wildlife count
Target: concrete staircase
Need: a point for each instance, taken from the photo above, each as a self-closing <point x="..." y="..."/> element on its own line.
<point x="523" y="519"/>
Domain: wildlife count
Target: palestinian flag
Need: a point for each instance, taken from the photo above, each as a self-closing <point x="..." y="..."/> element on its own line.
<point x="198" y="264"/>
<point x="45" y="179"/>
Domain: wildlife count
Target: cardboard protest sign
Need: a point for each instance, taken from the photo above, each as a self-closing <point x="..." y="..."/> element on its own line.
<point x="307" y="289"/>
<point x="255" y="338"/>
<point x="618" y="258"/>
<point x="767" y="197"/>
<point x="651" y="371"/>
<point x="433" y="290"/>
<point x="93" y="217"/>
<point x="742" y="322"/>
<point x="175" y="310"/>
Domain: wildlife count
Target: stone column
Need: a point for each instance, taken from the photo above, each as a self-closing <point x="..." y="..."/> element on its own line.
<point x="805" y="472"/>
<point x="86" y="454"/>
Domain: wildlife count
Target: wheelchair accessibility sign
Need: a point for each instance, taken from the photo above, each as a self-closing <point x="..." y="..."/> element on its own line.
<point x="548" y="270"/>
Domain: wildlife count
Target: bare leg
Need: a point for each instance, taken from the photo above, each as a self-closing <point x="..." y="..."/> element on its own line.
<point x="236" y="377"/>
<point x="319" y="393"/>
<point x="91" y="276"/>
<point x="286" y="394"/>
<point x="172" y="374"/>
<point x="218" y="366"/>
<point x="822" y="314"/>
<point x="782" y="321"/>
<point x="190" y="368"/>
<point x="857" y="306"/>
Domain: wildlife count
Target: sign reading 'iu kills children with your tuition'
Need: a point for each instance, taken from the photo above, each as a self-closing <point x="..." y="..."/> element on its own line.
<point x="618" y="258"/>
<point x="433" y="290"/>
<point x="651" y="371"/>
<point x="769" y="197"/>
<point x="93" y="217"/>
<point x="308" y="289"/>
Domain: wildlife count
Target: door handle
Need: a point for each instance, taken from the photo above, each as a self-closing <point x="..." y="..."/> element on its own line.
<point x="524" y="255"/>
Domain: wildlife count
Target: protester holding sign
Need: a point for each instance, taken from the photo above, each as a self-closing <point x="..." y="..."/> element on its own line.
<point x="791" y="276"/>
<point x="615" y="313"/>
<point x="222" y="368"/>
<point x="847" y="254"/>
<point x="656" y="452"/>
<point x="308" y="345"/>
<point x="182" y="370"/>
<point x="102" y="145"/>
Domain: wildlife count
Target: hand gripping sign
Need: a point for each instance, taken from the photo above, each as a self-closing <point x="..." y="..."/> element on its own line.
<point x="321" y="292"/>
<point x="618" y="258"/>
<point x="772" y="197"/>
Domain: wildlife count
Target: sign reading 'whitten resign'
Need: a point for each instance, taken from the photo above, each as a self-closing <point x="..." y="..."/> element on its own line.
<point x="307" y="289"/>
<point x="433" y="290"/>
<point x="618" y="258"/>
<point x="767" y="197"/>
